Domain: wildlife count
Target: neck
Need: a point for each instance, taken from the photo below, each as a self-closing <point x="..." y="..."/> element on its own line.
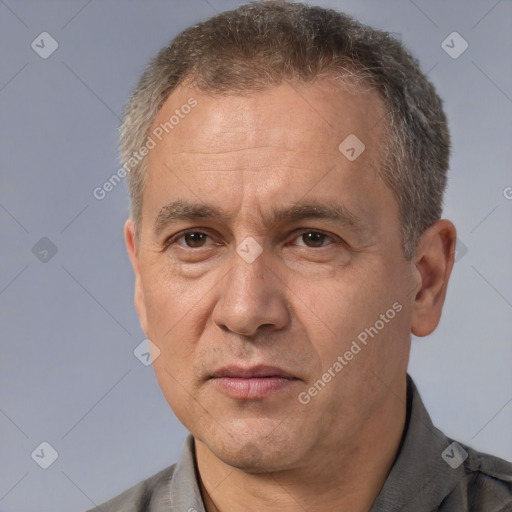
<point x="348" y="476"/>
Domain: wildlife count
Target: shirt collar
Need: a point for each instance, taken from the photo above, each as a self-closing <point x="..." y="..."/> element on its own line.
<point x="184" y="489"/>
<point x="420" y="478"/>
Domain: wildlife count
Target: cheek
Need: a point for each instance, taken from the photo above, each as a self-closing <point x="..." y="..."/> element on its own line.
<point x="167" y="298"/>
<point x="362" y="317"/>
<point x="168" y="310"/>
<point x="177" y="310"/>
<point x="170" y="327"/>
<point x="339" y="308"/>
<point x="179" y="390"/>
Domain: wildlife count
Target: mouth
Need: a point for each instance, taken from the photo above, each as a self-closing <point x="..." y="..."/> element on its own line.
<point x="252" y="383"/>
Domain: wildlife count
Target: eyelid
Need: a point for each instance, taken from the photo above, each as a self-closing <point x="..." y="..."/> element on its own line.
<point x="318" y="231"/>
<point x="205" y="231"/>
<point x="171" y="240"/>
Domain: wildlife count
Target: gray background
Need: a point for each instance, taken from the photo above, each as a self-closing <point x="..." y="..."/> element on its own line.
<point x="68" y="373"/>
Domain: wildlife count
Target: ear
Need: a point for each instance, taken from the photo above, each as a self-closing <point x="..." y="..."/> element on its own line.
<point x="131" y="246"/>
<point x="434" y="262"/>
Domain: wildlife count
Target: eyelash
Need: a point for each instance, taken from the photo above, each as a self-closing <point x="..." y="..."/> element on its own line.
<point x="172" y="240"/>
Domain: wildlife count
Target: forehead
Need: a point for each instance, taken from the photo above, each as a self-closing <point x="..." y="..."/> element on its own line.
<point x="277" y="145"/>
<point x="307" y="119"/>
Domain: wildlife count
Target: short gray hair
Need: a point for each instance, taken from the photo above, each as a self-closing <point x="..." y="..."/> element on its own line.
<point x="262" y="44"/>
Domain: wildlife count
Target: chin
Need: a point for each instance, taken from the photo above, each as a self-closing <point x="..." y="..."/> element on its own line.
<point x="255" y="448"/>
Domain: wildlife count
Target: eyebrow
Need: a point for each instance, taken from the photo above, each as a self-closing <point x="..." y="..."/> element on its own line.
<point x="180" y="210"/>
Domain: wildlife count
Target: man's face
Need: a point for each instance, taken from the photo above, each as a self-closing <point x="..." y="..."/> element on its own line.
<point x="251" y="308"/>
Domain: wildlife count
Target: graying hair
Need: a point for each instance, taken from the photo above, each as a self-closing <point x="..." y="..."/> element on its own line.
<point x="262" y="44"/>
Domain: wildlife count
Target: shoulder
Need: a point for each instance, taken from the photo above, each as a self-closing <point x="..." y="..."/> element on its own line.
<point x="486" y="483"/>
<point x="142" y="497"/>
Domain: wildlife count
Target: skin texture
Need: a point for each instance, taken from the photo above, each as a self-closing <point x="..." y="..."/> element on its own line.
<point x="298" y="306"/>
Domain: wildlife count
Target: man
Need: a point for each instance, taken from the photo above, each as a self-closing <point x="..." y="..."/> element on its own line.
<point x="286" y="168"/>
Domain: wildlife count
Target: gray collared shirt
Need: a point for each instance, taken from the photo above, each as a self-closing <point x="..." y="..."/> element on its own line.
<point x="431" y="473"/>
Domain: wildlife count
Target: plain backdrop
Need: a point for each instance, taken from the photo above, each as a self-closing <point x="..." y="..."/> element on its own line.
<point x="68" y="373"/>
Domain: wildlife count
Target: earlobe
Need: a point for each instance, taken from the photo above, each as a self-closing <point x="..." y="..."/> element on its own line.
<point x="131" y="246"/>
<point x="434" y="262"/>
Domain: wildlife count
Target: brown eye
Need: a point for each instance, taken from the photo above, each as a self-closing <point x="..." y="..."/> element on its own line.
<point x="313" y="239"/>
<point x="194" y="239"/>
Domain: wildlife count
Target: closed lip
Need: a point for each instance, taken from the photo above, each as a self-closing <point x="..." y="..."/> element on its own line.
<point x="254" y="372"/>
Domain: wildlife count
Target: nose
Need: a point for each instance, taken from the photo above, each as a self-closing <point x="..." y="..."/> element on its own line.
<point x="252" y="296"/>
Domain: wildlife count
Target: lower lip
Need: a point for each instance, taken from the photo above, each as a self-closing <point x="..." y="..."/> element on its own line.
<point x="252" y="388"/>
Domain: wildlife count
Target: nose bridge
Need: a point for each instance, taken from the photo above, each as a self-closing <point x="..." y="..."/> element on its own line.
<point x="250" y="276"/>
<point x="250" y="296"/>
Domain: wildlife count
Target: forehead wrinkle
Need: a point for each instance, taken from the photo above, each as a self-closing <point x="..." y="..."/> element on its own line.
<point x="251" y="148"/>
<point x="207" y="167"/>
<point x="228" y="151"/>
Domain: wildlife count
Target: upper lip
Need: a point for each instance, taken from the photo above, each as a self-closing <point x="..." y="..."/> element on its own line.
<point x="259" y="371"/>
